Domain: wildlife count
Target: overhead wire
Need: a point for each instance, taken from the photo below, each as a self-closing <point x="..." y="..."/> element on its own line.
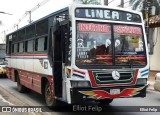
<point x="32" y="10"/>
<point x="25" y="14"/>
<point x="125" y="3"/>
<point x="110" y="2"/>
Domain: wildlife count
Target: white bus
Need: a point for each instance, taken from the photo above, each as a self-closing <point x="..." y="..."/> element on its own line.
<point x="81" y="53"/>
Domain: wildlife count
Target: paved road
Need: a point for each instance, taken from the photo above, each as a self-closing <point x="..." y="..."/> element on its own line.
<point x="8" y="92"/>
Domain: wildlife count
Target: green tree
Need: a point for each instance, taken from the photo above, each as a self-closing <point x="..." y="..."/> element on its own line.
<point x="96" y="2"/>
<point x="140" y="5"/>
<point x="137" y="4"/>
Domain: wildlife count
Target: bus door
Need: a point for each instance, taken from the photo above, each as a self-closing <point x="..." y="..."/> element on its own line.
<point x="60" y="46"/>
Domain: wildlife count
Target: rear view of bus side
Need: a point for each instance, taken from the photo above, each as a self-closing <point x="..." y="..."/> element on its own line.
<point x="81" y="53"/>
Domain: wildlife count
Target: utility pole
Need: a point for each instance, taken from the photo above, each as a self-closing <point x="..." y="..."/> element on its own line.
<point x="147" y="16"/>
<point x="122" y="3"/>
<point x="30" y="20"/>
<point x="106" y="2"/>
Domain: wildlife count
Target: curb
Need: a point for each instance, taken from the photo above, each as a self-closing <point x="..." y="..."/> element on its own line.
<point x="151" y="85"/>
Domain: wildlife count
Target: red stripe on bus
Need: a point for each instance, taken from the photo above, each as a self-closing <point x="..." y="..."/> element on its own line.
<point x="135" y="76"/>
<point x="92" y="79"/>
<point x="79" y="72"/>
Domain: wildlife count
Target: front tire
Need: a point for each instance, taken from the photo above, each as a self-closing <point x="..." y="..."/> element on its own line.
<point x="49" y="99"/>
<point x="20" y="87"/>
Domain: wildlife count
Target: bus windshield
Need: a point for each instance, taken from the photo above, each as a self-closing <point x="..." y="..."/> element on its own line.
<point x="129" y="45"/>
<point x="106" y="44"/>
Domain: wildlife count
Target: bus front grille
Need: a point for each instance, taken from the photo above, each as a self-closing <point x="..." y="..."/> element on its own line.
<point x="107" y="77"/>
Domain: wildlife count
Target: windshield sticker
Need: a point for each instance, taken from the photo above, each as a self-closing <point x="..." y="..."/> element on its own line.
<point x="108" y="42"/>
<point x="136" y="59"/>
<point x="80" y="43"/>
<point x="127" y="30"/>
<point x="91" y="27"/>
<point x="117" y="43"/>
<point x="82" y="53"/>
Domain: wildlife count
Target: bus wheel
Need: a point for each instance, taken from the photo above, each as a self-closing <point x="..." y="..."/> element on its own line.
<point x="50" y="101"/>
<point x="20" y="87"/>
<point x="105" y="102"/>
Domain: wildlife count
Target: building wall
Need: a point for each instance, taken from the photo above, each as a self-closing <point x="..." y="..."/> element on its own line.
<point x="155" y="57"/>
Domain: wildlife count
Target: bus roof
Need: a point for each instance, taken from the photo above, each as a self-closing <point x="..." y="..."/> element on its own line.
<point x="109" y="7"/>
<point x="43" y="18"/>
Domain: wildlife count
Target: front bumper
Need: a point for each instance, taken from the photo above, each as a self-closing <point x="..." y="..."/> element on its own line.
<point x="88" y="94"/>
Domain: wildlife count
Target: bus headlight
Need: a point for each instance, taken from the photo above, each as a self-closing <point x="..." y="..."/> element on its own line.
<point x="141" y="81"/>
<point x="80" y="84"/>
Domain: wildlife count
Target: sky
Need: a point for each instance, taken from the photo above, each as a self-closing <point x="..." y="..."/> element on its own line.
<point x="19" y="7"/>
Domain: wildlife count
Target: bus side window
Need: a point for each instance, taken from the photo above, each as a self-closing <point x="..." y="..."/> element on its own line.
<point x="15" y="48"/>
<point x="18" y="47"/>
<point x="41" y="44"/>
<point x="36" y="45"/>
<point x="45" y="43"/>
<point x="30" y="46"/>
<point x="12" y="48"/>
<point x="8" y="48"/>
<point x="21" y="47"/>
<point x="26" y="46"/>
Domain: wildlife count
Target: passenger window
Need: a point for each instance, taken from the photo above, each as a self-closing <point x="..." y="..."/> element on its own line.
<point x="30" y="32"/>
<point x="21" y="34"/>
<point x="42" y="28"/>
<point x="15" y="48"/>
<point x="12" y="48"/>
<point x="26" y="46"/>
<point x="21" y="47"/>
<point x="36" y="44"/>
<point x="30" y="46"/>
<point x="41" y="44"/>
<point x="18" y="48"/>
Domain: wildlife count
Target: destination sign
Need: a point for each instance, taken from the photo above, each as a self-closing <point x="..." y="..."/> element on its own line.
<point x="107" y="14"/>
<point x="91" y="27"/>
<point x="127" y="30"/>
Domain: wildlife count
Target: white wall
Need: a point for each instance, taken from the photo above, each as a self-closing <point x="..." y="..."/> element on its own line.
<point x="155" y="58"/>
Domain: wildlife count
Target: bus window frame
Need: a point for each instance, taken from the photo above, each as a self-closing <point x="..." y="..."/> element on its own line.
<point x="45" y="37"/>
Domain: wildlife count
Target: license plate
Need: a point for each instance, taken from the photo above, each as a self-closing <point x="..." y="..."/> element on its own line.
<point x="114" y="91"/>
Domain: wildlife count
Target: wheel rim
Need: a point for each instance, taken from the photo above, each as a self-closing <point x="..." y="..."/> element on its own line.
<point x="49" y="98"/>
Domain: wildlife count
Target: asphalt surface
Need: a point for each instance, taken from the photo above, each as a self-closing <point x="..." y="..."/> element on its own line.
<point x="10" y="97"/>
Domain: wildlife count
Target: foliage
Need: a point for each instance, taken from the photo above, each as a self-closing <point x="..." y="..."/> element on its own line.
<point x="96" y="2"/>
<point x="141" y="4"/>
